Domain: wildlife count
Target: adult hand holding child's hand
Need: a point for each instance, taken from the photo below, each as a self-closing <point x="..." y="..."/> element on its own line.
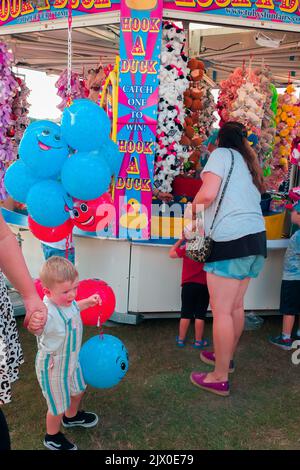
<point x="36" y="322"/>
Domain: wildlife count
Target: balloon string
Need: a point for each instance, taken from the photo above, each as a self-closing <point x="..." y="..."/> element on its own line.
<point x="69" y="67"/>
<point x="99" y="325"/>
<point x="67" y="246"/>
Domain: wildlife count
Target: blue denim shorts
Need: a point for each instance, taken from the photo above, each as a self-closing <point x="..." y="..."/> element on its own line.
<point x="51" y="251"/>
<point x="238" y="268"/>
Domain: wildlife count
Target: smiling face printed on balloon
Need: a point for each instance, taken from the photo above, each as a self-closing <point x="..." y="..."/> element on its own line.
<point x="94" y="215"/>
<point x="121" y="364"/>
<point x="43" y="149"/>
<point x="104" y="361"/>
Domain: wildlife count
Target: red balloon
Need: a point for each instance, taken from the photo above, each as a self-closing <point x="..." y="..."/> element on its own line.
<point x="91" y="315"/>
<point x="39" y="288"/>
<point x="94" y="215"/>
<point x="50" y="234"/>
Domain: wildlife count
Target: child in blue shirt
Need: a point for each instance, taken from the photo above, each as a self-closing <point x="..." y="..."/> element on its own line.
<point x="290" y="288"/>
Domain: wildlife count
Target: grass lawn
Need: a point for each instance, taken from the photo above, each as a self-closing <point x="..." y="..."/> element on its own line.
<point x="156" y="407"/>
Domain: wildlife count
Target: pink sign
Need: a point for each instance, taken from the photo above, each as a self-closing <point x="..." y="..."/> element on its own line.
<point x="140" y="44"/>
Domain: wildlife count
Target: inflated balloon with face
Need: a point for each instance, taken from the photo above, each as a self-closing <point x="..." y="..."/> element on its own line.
<point x="48" y="203"/>
<point x="43" y="149"/>
<point x="94" y="215"/>
<point x="104" y="361"/>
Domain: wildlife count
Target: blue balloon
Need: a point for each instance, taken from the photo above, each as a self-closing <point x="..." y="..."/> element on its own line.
<point x="43" y="149"/>
<point x="85" y="126"/>
<point x="110" y="151"/>
<point x="104" y="361"/>
<point x="48" y="203"/>
<point x="18" y="181"/>
<point x="86" y="175"/>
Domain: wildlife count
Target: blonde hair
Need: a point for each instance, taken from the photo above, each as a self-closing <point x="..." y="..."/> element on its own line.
<point x="57" y="269"/>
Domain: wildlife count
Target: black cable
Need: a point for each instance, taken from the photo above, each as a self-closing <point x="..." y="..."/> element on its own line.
<point x="224" y="48"/>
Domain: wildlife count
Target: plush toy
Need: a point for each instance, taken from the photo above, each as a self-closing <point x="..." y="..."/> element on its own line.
<point x="170" y="125"/>
<point x="78" y="89"/>
<point x="266" y="141"/>
<point x="295" y="153"/>
<point x="287" y="130"/>
<point x="228" y="93"/>
<point x="94" y="83"/>
<point x="199" y="118"/>
<point x="8" y="89"/>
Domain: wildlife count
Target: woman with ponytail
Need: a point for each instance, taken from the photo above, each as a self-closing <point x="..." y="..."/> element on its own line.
<point x="238" y="249"/>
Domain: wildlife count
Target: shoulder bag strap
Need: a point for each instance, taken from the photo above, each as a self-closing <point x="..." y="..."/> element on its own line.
<point x="223" y="192"/>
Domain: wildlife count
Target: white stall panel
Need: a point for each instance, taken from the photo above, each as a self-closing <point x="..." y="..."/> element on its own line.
<point x="107" y="260"/>
<point x="32" y="251"/>
<point x="264" y="292"/>
<point x="155" y="281"/>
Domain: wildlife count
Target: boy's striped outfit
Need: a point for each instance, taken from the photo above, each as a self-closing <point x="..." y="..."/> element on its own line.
<point x="57" y="362"/>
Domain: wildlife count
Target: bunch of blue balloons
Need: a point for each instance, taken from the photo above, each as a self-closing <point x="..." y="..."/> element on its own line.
<point x="58" y="163"/>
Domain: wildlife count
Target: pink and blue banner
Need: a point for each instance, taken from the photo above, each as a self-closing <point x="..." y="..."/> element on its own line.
<point x="140" y="44"/>
<point x="274" y="11"/>
<point x="13" y="12"/>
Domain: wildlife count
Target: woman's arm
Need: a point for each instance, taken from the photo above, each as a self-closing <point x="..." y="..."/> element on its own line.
<point x="13" y="265"/>
<point x="208" y="192"/>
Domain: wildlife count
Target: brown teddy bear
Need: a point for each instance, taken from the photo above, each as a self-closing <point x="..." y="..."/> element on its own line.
<point x="197" y="69"/>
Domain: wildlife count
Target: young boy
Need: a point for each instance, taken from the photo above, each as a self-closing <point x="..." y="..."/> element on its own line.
<point x="194" y="296"/>
<point x="57" y="365"/>
<point x="290" y="287"/>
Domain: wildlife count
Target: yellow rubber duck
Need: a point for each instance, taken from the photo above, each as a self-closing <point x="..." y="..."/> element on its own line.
<point x="133" y="219"/>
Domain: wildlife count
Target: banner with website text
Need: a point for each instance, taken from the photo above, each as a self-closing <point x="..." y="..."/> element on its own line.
<point x="274" y="11"/>
<point x="13" y="12"/>
<point x="140" y="44"/>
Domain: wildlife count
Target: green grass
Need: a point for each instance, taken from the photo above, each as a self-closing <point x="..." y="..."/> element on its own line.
<point x="156" y="406"/>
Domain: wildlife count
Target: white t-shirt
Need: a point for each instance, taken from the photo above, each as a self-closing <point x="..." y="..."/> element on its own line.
<point x="54" y="332"/>
<point x="240" y="212"/>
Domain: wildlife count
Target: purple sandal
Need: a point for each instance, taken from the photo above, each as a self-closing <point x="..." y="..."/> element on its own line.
<point x="219" y="388"/>
<point x="208" y="357"/>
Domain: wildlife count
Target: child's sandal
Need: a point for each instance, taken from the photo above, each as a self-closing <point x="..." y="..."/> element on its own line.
<point x="204" y="343"/>
<point x="180" y="342"/>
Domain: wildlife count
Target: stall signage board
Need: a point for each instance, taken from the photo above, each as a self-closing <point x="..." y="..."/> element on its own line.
<point x="140" y="45"/>
<point x="267" y="11"/>
<point x="16" y="12"/>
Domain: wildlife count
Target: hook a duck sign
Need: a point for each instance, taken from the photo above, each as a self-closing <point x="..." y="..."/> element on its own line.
<point x="140" y="45"/>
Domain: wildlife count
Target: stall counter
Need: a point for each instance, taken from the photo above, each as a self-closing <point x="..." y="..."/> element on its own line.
<point x="145" y="280"/>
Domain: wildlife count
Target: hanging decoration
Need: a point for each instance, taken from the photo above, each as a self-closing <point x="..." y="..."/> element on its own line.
<point x="228" y="93"/>
<point x="78" y="88"/>
<point x="266" y="142"/>
<point x="173" y="83"/>
<point x="199" y="119"/>
<point x="288" y="128"/>
<point x="248" y="107"/>
<point x="20" y="110"/>
<point x="8" y="86"/>
<point x="69" y="84"/>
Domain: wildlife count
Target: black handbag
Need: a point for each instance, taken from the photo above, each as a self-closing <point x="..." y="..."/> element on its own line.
<point x="199" y="248"/>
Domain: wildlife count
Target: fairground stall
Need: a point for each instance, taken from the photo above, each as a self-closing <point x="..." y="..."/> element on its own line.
<point x="167" y="74"/>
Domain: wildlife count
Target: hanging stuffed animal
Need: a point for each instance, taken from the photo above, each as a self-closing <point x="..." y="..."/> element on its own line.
<point x="173" y="83"/>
